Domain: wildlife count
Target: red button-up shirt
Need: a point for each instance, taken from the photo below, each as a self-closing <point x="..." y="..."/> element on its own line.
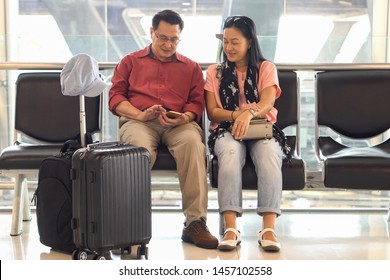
<point x="144" y="81"/>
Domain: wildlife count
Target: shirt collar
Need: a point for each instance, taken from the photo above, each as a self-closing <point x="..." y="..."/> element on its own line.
<point x="149" y="52"/>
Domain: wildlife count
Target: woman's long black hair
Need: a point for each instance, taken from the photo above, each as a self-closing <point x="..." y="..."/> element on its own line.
<point x="248" y="29"/>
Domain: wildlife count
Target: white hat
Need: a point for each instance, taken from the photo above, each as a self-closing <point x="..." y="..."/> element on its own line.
<point x="80" y="76"/>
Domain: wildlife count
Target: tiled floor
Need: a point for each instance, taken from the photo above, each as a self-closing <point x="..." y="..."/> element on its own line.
<point x="308" y="235"/>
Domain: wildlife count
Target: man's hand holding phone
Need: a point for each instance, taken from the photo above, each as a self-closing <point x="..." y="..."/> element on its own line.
<point x="173" y="114"/>
<point x="172" y="118"/>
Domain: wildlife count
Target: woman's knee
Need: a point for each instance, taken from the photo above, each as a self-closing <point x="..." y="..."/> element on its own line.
<point x="229" y="150"/>
<point x="266" y="152"/>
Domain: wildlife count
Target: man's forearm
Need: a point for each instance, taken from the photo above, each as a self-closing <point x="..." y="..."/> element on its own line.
<point x="125" y="109"/>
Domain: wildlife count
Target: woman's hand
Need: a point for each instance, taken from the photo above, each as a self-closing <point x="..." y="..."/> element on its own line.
<point x="253" y="106"/>
<point x="241" y="124"/>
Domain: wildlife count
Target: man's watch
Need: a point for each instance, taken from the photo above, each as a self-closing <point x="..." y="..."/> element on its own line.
<point x="253" y="112"/>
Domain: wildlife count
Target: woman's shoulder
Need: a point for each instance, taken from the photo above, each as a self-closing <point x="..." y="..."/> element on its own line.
<point x="212" y="67"/>
<point x="266" y="64"/>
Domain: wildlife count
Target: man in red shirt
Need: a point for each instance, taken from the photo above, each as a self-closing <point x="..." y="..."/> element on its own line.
<point x="147" y="82"/>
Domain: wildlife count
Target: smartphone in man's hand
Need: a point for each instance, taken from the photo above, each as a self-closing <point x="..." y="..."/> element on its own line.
<point x="173" y="114"/>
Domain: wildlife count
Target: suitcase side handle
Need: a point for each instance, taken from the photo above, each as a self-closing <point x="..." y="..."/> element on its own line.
<point x="105" y="145"/>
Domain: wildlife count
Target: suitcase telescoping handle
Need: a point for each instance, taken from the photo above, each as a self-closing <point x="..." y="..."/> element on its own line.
<point x="104" y="145"/>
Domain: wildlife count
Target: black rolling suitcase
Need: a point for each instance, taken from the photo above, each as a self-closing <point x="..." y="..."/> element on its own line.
<point x="111" y="200"/>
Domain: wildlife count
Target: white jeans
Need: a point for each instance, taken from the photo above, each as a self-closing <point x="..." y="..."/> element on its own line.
<point x="266" y="155"/>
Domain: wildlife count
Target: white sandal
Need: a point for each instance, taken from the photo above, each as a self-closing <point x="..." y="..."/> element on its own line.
<point x="227" y="245"/>
<point x="268" y="245"/>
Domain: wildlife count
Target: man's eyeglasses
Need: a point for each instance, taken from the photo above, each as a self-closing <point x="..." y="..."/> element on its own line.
<point x="165" y="39"/>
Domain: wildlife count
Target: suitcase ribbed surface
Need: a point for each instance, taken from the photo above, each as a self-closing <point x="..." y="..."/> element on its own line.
<point x="117" y="198"/>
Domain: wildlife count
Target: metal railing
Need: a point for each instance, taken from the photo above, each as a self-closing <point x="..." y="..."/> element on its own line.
<point x="110" y="65"/>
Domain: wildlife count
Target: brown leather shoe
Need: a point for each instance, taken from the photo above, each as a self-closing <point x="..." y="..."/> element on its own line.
<point x="197" y="233"/>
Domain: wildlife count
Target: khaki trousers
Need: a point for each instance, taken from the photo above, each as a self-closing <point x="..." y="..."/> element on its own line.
<point x="185" y="143"/>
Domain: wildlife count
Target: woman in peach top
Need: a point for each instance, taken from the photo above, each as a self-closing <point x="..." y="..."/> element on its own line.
<point x="244" y="86"/>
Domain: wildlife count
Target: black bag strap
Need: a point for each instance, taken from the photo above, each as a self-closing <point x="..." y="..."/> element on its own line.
<point x="70" y="146"/>
<point x="88" y="138"/>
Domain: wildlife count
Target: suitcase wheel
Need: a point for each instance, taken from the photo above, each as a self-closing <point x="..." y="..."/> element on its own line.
<point x="101" y="256"/>
<point x="126" y="250"/>
<point x="85" y="254"/>
<point x="142" y="251"/>
<point x="80" y="255"/>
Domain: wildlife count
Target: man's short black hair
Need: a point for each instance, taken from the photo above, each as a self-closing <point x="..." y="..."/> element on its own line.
<point x="168" y="16"/>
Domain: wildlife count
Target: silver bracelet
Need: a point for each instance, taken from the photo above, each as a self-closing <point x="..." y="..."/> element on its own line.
<point x="253" y="112"/>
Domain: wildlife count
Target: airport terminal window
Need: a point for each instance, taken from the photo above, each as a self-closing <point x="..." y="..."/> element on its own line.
<point x="290" y="32"/>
